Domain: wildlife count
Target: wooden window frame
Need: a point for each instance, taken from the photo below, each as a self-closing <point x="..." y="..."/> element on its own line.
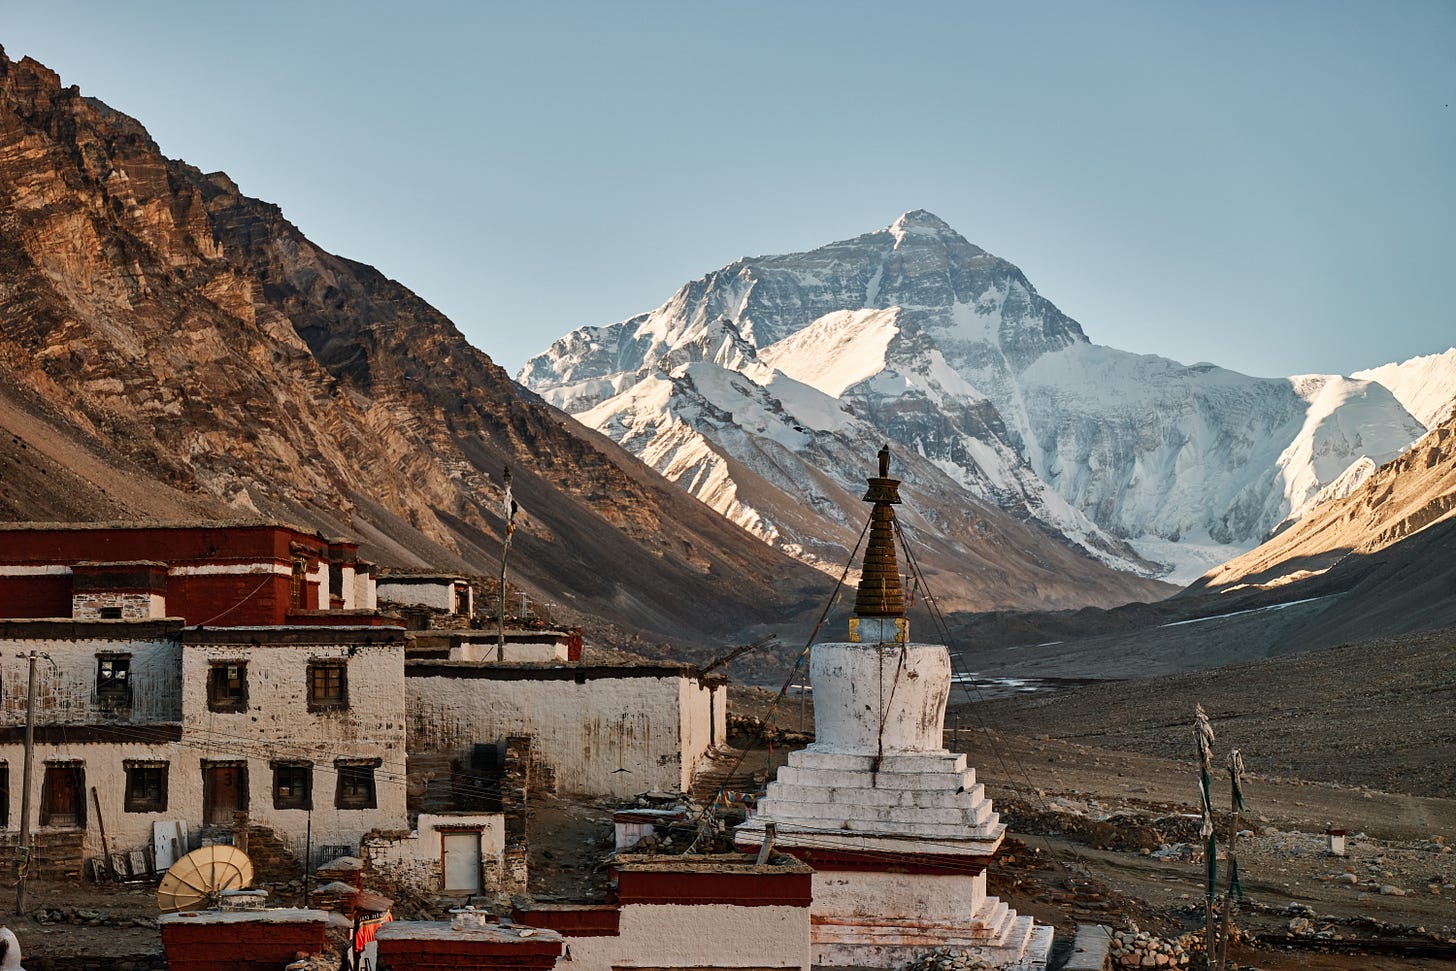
<point x="297" y="778"/>
<point x="113" y="680"/>
<point x="138" y="774"/>
<point x="321" y="696"/>
<point x="357" y="787"/>
<point x="219" y="702"/>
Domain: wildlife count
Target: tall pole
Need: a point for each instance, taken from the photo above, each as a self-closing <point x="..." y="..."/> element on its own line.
<point x="1203" y="737"/>
<point x="1235" y="766"/>
<point x="508" y="505"/>
<point x="22" y="849"/>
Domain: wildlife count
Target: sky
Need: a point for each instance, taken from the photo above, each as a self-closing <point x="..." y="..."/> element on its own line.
<point x="1266" y="186"/>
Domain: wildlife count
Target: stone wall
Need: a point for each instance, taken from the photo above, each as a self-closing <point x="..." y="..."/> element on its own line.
<point x="130" y="606"/>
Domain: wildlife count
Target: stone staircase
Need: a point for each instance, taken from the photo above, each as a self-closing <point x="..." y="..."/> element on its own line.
<point x="716" y="771"/>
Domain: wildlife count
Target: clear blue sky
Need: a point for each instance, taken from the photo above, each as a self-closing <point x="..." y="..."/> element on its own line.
<point x="1268" y="186"/>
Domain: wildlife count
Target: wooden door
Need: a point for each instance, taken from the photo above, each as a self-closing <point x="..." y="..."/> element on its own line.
<point x="63" y="797"/>
<point x="224" y="793"/>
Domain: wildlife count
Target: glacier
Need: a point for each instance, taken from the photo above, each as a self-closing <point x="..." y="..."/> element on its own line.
<point x="761" y="388"/>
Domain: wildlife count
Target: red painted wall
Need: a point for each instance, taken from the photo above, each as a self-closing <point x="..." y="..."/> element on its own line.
<point x="249" y="946"/>
<point x="738" y="889"/>
<point x="42" y="596"/>
<point x="225" y="600"/>
<point x="433" y="954"/>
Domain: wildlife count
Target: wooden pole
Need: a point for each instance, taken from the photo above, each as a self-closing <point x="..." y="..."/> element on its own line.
<point x="500" y="643"/>
<point x="1236" y="770"/>
<point x="105" y="843"/>
<point x="22" y="847"/>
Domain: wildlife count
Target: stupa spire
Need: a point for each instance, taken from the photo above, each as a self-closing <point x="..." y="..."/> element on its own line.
<point x="879" y="593"/>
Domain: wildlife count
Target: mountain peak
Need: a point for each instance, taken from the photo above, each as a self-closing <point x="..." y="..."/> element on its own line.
<point x="921" y="222"/>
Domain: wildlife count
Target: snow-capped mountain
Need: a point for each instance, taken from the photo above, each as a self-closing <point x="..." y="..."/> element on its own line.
<point x="784" y="369"/>
<point x="1426" y="386"/>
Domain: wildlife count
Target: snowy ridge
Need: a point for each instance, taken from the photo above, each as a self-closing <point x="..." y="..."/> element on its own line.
<point x="788" y="370"/>
<point x="1426" y="386"/>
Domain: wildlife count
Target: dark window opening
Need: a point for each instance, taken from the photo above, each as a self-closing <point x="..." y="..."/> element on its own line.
<point x="111" y="613"/>
<point x="62" y="796"/>
<point x="146" y="787"/>
<point x="113" y="680"/>
<point x="227" y="686"/>
<point x="4" y="795"/>
<point x="356" y="786"/>
<point x="292" y="785"/>
<point x="298" y="584"/>
<point x="328" y="685"/>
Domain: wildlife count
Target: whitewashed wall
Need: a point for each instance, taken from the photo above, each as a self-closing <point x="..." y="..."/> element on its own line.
<point x="365" y="592"/>
<point x="279" y="725"/>
<point x="102" y="764"/>
<point x="439" y="594"/>
<point x="699" y="935"/>
<point x="637" y="723"/>
<point x="414" y="860"/>
<point x="704" y="722"/>
<point x="66" y="684"/>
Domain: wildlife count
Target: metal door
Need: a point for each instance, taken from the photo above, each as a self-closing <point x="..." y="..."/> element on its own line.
<point x="461" y="861"/>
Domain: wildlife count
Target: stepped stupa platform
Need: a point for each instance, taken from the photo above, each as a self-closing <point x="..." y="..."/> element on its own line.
<point x="897" y="828"/>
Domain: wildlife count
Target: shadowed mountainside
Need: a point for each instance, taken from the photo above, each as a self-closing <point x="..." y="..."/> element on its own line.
<point x="173" y="349"/>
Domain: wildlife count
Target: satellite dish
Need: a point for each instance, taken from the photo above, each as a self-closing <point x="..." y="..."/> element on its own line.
<point x="201" y="876"/>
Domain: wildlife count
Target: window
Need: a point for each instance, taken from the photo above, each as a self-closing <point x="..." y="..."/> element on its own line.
<point x="356" y="784"/>
<point x="328" y="685"/>
<point x="146" y="787"/>
<point x="297" y="584"/>
<point x="227" y="686"/>
<point x="292" y="785"/>
<point x="111" y="613"/>
<point x="113" y="679"/>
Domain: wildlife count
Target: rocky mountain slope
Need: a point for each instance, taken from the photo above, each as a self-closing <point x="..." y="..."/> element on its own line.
<point x="1398" y="500"/>
<point x="171" y="348"/>
<point x="759" y="375"/>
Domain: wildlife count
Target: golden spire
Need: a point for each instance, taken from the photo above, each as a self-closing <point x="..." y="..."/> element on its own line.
<point x="879" y="593"/>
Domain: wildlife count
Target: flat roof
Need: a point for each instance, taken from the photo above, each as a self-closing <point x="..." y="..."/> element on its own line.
<point x="421" y="578"/>
<point x="745" y="863"/>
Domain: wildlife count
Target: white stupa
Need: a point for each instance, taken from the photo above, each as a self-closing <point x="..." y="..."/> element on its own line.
<point x="897" y="829"/>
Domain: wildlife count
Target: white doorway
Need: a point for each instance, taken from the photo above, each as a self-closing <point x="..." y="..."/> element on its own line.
<point x="460" y="861"/>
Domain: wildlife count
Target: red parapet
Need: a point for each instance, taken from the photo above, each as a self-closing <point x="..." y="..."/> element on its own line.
<point x="754" y="889"/>
<point x="432" y="946"/>
<point x="573" y="920"/>
<point x="239" y="941"/>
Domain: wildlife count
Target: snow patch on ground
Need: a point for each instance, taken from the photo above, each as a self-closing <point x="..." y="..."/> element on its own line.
<point x="1189" y="557"/>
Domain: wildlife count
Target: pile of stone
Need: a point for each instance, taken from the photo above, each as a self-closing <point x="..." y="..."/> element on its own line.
<point x="88" y="918"/>
<point x="948" y="959"/>
<point x="1139" y="949"/>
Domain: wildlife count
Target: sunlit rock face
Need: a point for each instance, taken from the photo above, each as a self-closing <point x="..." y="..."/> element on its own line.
<point x="767" y="373"/>
<point x="171" y="348"/>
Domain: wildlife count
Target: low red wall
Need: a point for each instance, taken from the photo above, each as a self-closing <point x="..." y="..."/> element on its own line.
<point x="260" y="946"/>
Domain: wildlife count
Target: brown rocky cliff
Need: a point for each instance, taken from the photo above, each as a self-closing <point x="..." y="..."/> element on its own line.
<point x="155" y="317"/>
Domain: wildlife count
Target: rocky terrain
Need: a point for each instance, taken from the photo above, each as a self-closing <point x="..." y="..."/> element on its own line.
<point x="173" y="349"/>
<point x="761" y="383"/>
